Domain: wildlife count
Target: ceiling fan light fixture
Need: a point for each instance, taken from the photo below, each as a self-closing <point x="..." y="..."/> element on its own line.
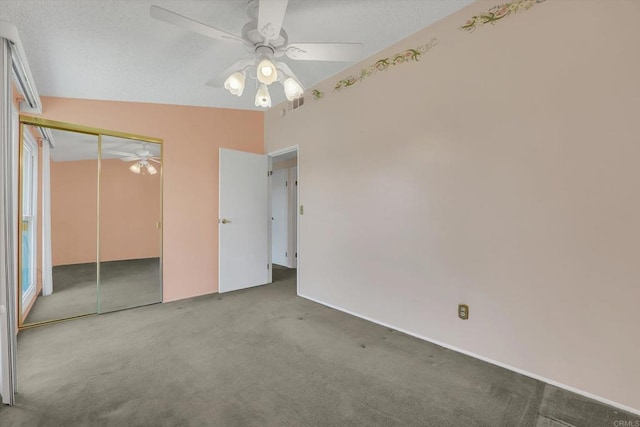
<point x="264" y="36"/>
<point x="135" y="168"/>
<point x="263" y="99"/>
<point x="292" y="89"/>
<point x="235" y="83"/>
<point x="267" y="72"/>
<point x="151" y="169"/>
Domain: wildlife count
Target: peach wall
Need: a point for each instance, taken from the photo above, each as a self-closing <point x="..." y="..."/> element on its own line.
<point x="15" y="96"/>
<point x="74" y="212"/>
<point x="501" y="171"/>
<point x="192" y="138"/>
<point x="129" y="210"/>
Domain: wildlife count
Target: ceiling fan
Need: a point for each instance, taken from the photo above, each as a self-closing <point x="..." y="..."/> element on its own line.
<point x="141" y="158"/>
<point x="266" y="41"/>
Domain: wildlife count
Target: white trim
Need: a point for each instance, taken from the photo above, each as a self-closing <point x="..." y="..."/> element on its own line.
<point x="292" y="217"/>
<point x="276" y="153"/>
<point x="284" y="151"/>
<point x="269" y="216"/>
<point x="21" y="68"/>
<point x="483" y="358"/>
<point x="12" y="59"/>
<point x="8" y="229"/>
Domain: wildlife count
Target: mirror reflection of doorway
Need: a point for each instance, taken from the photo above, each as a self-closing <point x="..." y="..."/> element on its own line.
<point x="91" y="209"/>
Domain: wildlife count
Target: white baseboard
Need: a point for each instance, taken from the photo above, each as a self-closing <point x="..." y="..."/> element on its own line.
<point x="484" y="359"/>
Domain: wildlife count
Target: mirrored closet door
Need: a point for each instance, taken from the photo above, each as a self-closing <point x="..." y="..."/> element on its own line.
<point x="59" y="187"/>
<point x="130" y="234"/>
<point x="91" y="216"/>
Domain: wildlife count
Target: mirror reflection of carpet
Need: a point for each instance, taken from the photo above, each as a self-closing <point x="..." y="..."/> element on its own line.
<point x="123" y="284"/>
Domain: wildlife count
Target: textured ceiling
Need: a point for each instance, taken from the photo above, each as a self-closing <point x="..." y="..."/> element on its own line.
<point x="114" y="50"/>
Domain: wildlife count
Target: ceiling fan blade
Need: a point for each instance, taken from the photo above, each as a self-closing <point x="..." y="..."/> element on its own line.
<point x="346" y="52"/>
<point x="270" y="17"/>
<point x="129" y="159"/>
<point x="193" y="25"/>
<point x="154" y="160"/>
<point x="218" y="81"/>
<point x="119" y="153"/>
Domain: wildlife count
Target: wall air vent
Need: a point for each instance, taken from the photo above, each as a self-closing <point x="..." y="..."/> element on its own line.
<point x="296" y="103"/>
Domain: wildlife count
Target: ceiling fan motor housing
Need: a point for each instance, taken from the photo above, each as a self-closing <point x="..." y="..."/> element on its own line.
<point x="264" y="50"/>
<point x="252" y="35"/>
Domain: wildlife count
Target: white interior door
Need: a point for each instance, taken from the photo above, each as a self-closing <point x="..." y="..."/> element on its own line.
<point x="280" y="216"/>
<point x="243" y="222"/>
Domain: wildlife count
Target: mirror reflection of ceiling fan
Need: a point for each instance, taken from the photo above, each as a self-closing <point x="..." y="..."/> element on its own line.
<point x="141" y="158"/>
<point x="266" y="41"/>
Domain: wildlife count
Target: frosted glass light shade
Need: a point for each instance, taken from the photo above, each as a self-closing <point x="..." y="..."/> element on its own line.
<point x="135" y="168"/>
<point x="267" y="72"/>
<point x="151" y="169"/>
<point x="292" y="89"/>
<point x="263" y="99"/>
<point x="235" y="83"/>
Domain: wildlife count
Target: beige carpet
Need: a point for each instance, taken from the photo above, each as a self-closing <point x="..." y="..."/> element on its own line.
<point x="265" y="357"/>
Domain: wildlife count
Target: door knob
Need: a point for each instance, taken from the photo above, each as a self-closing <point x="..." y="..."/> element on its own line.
<point x="225" y="221"/>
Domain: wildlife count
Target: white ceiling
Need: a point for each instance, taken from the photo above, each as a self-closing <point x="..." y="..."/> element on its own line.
<point x="114" y="50"/>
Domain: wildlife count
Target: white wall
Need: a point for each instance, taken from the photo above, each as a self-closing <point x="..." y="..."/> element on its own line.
<point x="502" y="171"/>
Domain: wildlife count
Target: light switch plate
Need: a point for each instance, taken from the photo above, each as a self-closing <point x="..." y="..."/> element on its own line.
<point x="463" y="311"/>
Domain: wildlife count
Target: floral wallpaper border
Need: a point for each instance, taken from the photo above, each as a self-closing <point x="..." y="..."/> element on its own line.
<point x="409" y="55"/>
<point x="498" y="12"/>
<point x="491" y="16"/>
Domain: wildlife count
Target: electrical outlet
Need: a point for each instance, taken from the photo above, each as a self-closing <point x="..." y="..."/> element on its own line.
<point x="463" y="311"/>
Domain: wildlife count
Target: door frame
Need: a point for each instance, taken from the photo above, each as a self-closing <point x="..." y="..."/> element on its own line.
<point x="271" y="155"/>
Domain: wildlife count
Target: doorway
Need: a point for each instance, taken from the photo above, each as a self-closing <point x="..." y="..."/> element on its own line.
<point x="245" y="247"/>
<point x="283" y="200"/>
